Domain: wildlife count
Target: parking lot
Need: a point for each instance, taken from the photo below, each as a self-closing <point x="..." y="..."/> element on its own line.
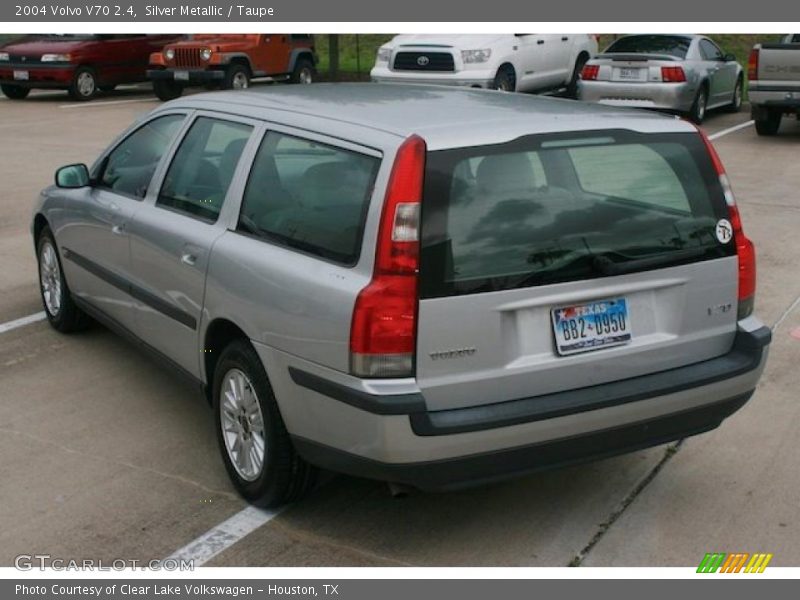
<point x="107" y="455"/>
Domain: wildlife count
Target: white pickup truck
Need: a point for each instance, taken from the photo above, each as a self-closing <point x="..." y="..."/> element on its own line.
<point x="774" y="74"/>
<point x="509" y="62"/>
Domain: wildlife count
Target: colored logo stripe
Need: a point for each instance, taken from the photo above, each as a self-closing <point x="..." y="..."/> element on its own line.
<point x="733" y="563"/>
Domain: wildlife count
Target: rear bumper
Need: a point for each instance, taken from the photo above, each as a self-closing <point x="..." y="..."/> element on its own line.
<point x="189" y="76"/>
<point x="774" y="96"/>
<point x="388" y="434"/>
<point x="661" y="96"/>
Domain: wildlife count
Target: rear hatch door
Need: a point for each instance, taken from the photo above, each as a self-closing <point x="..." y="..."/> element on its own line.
<point x="556" y="262"/>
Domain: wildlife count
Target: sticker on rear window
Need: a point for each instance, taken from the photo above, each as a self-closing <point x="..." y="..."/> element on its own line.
<point x="724" y="231"/>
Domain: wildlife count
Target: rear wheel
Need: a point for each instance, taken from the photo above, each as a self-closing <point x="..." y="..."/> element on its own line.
<point x="60" y="308"/>
<point x="304" y="72"/>
<point x="698" y="111"/>
<point x="84" y="84"/>
<point x="167" y="90"/>
<point x="15" y="92"/>
<point x="505" y="80"/>
<point x="770" y="123"/>
<point x="237" y="77"/>
<point x="572" y="87"/>
<point x="256" y="448"/>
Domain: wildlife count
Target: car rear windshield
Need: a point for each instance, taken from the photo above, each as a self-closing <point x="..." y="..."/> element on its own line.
<point x="550" y="209"/>
<point x="672" y="45"/>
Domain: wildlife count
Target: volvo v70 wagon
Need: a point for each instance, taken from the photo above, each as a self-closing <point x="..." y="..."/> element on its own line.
<point x="432" y="287"/>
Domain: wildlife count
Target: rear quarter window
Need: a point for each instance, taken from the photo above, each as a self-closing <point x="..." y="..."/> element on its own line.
<point x="309" y="196"/>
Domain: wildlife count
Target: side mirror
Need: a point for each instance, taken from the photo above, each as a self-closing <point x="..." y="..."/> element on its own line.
<point x="73" y="176"/>
<point x="729" y="58"/>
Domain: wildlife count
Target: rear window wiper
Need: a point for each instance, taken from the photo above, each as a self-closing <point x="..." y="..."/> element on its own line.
<point x="606" y="266"/>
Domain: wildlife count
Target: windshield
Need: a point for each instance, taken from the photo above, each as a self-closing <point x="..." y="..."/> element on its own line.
<point x="548" y="209"/>
<point x="672" y="45"/>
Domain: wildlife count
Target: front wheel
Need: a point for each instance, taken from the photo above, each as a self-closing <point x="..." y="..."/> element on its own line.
<point x="304" y="72"/>
<point x="166" y="89"/>
<point x="698" y="111"/>
<point x="736" y="101"/>
<point x="237" y="77"/>
<point x="256" y="448"/>
<point x="770" y="123"/>
<point x="15" y="92"/>
<point x="60" y="308"/>
<point x="505" y="80"/>
<point x="84" y="84"/>
<point x="572" y="86"/>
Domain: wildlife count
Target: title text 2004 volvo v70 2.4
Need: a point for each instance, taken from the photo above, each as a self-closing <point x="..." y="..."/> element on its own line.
<point x="427" y="286"/>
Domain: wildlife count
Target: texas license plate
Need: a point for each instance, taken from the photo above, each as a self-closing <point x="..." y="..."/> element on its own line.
<point x="182" y="75"/>
<point x="591" y="326"/>
<point x="630" y="74"/>
<point x="21" y="75"/>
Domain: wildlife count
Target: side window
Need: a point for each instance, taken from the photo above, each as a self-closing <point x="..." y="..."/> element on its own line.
<point x="710" y="51"/>
<point x="129" y="167"/>
<point x="202" y="169"/>
<point x="309" y="196"/>
<point x="648" y="178"/>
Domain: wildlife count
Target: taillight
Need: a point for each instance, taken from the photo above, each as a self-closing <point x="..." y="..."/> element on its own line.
<point x="752" y="65"/>
<point x="590" y="72"/>
<point x="745" y="249"/>
<point x="673" y="74"/>
<point x="383" y="330"/>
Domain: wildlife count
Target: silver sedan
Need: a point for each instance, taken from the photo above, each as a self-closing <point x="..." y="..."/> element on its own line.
<point x="688" y="74"/>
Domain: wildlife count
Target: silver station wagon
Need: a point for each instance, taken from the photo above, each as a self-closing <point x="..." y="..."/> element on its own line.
<point x="427" y="286"/>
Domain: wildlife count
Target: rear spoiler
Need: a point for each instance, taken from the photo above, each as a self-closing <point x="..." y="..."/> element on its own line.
<point x="630" y="57"/>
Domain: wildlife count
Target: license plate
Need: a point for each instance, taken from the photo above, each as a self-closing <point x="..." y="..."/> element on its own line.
<point x="21" y="75"/>
<point x="182" y="75"/>
<point x="591" y="326"/>
<point x="630" y="74"/>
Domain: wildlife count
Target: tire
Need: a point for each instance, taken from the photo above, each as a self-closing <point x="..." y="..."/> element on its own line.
<point x="770" y="124"/>
<point x="304" y="72"/>
<point x="62" y="312"/>
<point x="84" y="84"/>
<point x="167" y="90"/>
<point x="237" y="77"/>
<point x="698" y="111"/>
<point x="506" y="79"/>
<point x="572" y="87"/>
<point x="15" y="92"/>
<point x="282" y="475"/>
<point x="738" y="94"/>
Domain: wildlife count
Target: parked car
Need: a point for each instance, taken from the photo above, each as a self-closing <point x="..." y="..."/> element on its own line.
<point x="688" y="74"/>
<point x="522" y="62"/>
<point x="82" y="64"/>
<point x="230" y="61"/>
<point x="774" y="86"/>
<point x="577" y="284"/>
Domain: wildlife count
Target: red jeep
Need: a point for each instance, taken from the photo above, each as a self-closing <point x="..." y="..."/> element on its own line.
<point x="230" y="61"/>
<point x="80" y="64"/>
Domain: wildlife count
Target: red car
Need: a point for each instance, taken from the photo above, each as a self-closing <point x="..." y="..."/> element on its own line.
<point x="82" y="64"/>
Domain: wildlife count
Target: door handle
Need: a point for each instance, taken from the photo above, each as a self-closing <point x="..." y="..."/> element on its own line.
<point x="540" y="42"/>
<point x="564" y="39"/>
<point x="118" y="229"/>
<point x="189" y="259"/>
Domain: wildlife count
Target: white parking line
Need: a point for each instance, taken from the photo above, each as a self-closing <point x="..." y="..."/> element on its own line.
<point x="22" y="321"/>
<point x="224" y="535"/>
<point x="96" y="104"/>
<point x="719" y="134"/>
